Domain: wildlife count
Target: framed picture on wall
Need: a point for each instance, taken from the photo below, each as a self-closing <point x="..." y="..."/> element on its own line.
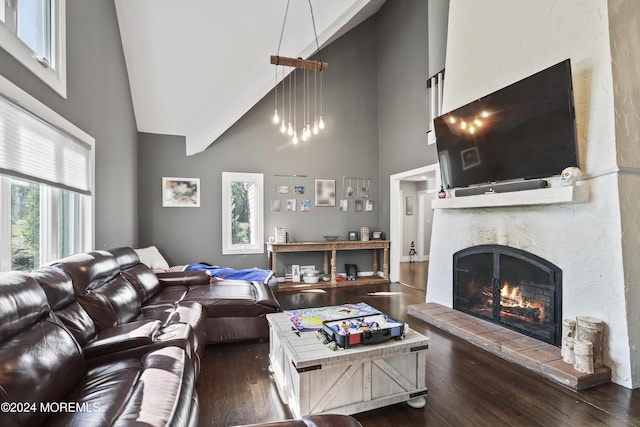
<point x="325" y="192"/>
<point x="180" y="192"/>
<point x="408" y="205"/>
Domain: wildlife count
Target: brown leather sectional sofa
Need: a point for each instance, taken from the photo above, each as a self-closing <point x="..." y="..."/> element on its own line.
<point x="98" y="339"/>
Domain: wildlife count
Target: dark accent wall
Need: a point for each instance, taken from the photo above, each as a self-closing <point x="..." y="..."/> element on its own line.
<point x="98" y="102"/>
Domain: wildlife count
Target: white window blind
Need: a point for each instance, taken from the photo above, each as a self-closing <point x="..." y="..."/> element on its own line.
<point x="34" y="149"/>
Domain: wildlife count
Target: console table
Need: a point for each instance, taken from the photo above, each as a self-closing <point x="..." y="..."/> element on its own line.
<point x="330" y="250"/>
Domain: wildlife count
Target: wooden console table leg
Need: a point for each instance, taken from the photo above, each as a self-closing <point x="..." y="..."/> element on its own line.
<point x="274" y="263"/>
<point x="334" y="282"/>
<point x="326" y="262"/>
<point x="375" y="262"/>
<point x="385" y="263"/>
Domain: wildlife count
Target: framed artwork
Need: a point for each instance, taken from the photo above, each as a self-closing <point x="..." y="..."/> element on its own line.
<point x="275" y="205"/>
<point x="353" y="235"/>
<point x="344" y="205"/>
<point x="364" y="188"/>
<point x="408" y="205"/>
<point x="325" y="192"/>
<point x="291" y="205"/>
<point x="348" y="187"/>
<point x="180" y="192"/>
<point x="305" y="205"/>
<point x="357" y="205"/>
<point x="368" y="205"/>
<point x="470" y="158"/>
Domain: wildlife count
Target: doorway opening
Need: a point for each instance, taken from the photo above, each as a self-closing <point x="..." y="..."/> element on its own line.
<point x="411" y="219"/>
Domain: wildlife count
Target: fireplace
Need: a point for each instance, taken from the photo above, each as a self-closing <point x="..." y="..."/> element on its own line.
<point x="510" y="287"/>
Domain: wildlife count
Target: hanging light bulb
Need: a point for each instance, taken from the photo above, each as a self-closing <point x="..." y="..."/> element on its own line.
<point x="283" y="117"/>
<point x="321" y="122"/>
<point x="276" y="117"/>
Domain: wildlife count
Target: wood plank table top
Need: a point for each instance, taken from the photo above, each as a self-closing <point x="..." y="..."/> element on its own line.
<point x="306" y="350"/>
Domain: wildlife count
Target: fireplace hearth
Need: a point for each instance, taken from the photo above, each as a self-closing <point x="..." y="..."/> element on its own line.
<point x="510" y="287"/>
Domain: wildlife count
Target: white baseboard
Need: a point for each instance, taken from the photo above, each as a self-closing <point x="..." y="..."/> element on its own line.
<point x="417" y="258"/>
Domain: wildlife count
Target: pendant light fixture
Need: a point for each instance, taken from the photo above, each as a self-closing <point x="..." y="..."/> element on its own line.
<point x="306" y="66"/>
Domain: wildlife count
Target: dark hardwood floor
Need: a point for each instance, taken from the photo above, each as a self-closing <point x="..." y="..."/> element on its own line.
<point x="467" y="386"/>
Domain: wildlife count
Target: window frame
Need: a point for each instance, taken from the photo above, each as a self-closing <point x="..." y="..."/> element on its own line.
<point x="53" y="71"/>
<point x="48" y="247"/>
<point x="257" y="245"/>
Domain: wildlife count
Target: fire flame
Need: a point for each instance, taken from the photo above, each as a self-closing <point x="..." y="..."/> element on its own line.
<point x="510" y="296"/>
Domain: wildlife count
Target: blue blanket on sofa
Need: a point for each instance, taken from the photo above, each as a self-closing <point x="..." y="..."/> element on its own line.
<point x="249" y="274"/>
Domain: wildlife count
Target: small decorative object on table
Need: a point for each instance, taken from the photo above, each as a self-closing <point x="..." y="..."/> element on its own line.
<point x="352" y="271"/>
<point x="330" y="238"/>
<point x="364" y="234"/>
<point x="370" y="329"/>
<point x="353" y="235"/>
<point x="570" y="175"/>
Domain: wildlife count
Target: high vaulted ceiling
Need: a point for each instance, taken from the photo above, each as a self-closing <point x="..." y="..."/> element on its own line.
<point x="196" y="66"/>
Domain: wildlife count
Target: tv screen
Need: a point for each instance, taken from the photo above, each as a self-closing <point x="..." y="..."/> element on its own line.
<point x="523" y="131"/>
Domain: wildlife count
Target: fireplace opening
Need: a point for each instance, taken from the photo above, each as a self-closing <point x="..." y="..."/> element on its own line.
<point x="511" y="287"/>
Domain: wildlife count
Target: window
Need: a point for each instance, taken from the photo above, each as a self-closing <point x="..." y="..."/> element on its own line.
<point x="242" y="213"/>
<point x="33" y="32"/>
<point x="25" y="225"/>
<point x="46" y="176"/>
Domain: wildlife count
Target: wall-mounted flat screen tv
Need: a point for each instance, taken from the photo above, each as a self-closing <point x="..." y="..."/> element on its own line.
<point x="523" y="131"/>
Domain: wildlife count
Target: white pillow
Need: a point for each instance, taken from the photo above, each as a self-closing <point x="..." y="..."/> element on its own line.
<point x="152" y="258"/>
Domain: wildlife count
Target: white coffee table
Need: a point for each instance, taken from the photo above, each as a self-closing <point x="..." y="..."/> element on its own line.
<point x="314" y="379"/>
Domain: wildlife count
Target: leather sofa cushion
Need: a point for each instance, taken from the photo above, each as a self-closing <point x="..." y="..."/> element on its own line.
<point x="22" y="303"/>
<point x="59" y="290"/>
<point x="89" y="271"/>
<point x="40" y="359"/>
<point x="113" y="303"/>
<point x="154" y="390"/>
<point x="228" y="298"/>
<point x="125" y="257"/>
<point x="143" y="280"/>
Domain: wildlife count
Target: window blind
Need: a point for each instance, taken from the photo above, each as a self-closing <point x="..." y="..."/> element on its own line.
<point x="33" y="149"/>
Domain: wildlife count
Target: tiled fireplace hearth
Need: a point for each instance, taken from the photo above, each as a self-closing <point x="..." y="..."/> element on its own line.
<point x="531" y="353"/>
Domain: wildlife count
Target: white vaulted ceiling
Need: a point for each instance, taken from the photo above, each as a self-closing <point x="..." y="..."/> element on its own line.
<point x="196" y="66"/>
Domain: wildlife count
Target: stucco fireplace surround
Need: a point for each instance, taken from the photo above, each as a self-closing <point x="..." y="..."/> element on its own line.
<point x="564" y="231"/>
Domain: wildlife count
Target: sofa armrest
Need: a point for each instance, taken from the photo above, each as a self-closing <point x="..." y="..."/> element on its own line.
<point x="184" y="278"/>
<point x="122" y="337"/>
<point x="265" y="296"/>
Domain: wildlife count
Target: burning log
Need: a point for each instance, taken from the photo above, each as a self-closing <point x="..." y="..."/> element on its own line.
<point x="532" y="313"/>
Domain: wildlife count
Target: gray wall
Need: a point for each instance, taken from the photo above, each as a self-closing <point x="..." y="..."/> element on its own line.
<point x="375" y="101"/>
<point x="98" y="102"/>
<point x="348" y="147"/>
<point x="403" y="69"/>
